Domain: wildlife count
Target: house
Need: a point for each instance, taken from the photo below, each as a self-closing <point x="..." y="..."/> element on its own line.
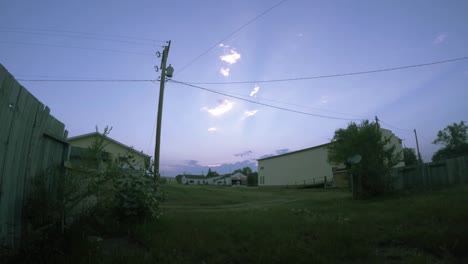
<point x="228" y="179"/>
<point x="238" y="179"/>
<point x="113" y="150"/>
<point x="308" y="166"/>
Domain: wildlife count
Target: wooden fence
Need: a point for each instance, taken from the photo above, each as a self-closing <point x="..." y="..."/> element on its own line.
<point x="447" y="172"/>
<point x="31" y="141"/>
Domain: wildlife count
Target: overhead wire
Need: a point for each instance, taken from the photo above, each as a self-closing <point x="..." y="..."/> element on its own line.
<point x="78" y="36"/>
<point x="292" y="104"/>
<point x="263" y="104"/>
<point x="332" y="75"/>
<point x="85" y="80"/>
<point x="72" y="47"/>
<point x="83" y="33"/>
<point x="231" y="34"/>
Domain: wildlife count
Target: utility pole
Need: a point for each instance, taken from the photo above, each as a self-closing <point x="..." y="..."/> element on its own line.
<point x="157" y="147"/>
<point x="417" y="146"/>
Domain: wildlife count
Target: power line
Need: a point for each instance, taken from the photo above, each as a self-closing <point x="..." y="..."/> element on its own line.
<point x="83" y="33"/>
<point x="76" y="36"/>
<point x="263" y="104"/>
<point x="292" y="104"/>
<point x="83" y="80"/>
<point x="71" y="47"/>
<point x="334" y="75"/>
<point x="392" y="126"/>
<point x="231" y="34"/>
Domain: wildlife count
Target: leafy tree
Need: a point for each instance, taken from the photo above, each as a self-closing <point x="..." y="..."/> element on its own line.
<point x="454" y="139"/>
<point x="252" y="179"/>
<point x="378" y="157"/>
<point x="409" y="156"/>
<point x="179" y="178"/>
<point x="211" y="173"/>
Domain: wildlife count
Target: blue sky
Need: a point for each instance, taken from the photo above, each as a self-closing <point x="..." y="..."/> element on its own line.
<point x="296" y="39"/>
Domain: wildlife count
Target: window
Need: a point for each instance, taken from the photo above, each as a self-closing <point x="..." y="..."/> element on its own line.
<point x="191" y="181"/>
<point x="262" y="168"/>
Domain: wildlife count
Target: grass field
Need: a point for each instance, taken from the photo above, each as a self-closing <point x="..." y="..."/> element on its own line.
<point x="207" y="224"/>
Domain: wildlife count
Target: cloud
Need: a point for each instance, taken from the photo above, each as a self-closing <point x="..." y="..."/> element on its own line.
<point x="224" y="71"/>
<point x="282" y="151"/>
<point x="191" y="162"/>
<point x="231" y="58"/>
<point x="255" y="90"/>
<point x="250" y="113"/>
<point x="222" y="107"/>
<point x="440" y="38"/>
<point x="242" y="154"/>
<point x="266" y="156"/>
<point x="324" y="99"/>
<point x="223" y="45"/>
<point x="212" y="129"/>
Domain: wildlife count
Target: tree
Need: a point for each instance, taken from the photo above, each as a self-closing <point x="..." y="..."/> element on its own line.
<point x="179" y="178"/>
<point x="409" y="156"/>
<point x="211" y="173"/>
<point x="252" y="179"/>
<point x="377" y="156"/>
<point x="454" y="139"/>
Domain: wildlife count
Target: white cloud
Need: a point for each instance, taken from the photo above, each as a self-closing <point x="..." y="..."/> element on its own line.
<point x="324" y="99"/>
<point x="231" y="58"/>
<point x="212" y="129"/>
<point x="223" y="46"/>
<point x="224" y="71"/>
<point x="440" y="38"/>
<point x="255" y="90"/>
<point x="213" y="165"/>
<point x="222" y="107"/>
<point x="250" y="113"/>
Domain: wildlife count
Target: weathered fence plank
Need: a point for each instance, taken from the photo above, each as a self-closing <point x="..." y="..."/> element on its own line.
<point x="447" y="172"/>
<point x="24" y="152"/>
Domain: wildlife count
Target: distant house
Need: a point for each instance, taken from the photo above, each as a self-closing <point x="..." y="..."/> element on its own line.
<point x="308" y="166"/>
<point x="238" y="179"/>
<point x="228" y="179"/>
<point x="113" y="150"/>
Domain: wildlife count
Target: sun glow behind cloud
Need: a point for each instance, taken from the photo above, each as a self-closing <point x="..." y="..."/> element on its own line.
<point x="223" y="107"/>
<point x="212" y="129"/>
<point x="255" y="90"/>
<point x="231" y="57"/>
<point x="250" y="113"/>
<point x="224" y="71"/>
<point x="440" y="38"/>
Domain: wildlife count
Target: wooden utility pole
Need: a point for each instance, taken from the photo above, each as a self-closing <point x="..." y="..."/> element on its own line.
<point x="157" y="147"/>
<point x="417" y="146"/>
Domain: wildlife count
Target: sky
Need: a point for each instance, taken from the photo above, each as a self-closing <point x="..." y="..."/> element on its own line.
<point x="298" y="38"/>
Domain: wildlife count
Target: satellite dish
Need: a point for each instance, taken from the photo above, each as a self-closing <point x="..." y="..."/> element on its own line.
<point x="355" y="159"/>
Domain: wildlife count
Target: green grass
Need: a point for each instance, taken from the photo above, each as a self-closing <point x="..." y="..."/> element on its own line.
<point x="207" y="224"/>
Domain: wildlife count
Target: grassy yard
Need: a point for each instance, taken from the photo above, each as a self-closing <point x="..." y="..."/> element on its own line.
<point x="207" y="224"/>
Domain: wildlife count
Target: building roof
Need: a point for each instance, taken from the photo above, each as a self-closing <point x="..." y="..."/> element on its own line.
<point x="294" y="152"/>
<point x="319" y="146"/>
<point x="110" y="139"/>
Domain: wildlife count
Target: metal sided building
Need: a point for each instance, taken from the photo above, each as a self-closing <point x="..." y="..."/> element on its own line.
<point x="307" y="166"/>
<point x="303" y="167"/>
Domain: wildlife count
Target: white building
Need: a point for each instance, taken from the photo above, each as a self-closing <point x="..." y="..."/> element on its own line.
<point x="306" y="166"/>
<point x="202" y="180"/>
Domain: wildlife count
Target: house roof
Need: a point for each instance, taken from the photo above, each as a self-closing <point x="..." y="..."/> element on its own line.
<point x="110" y="139"/>
<point x="294" y="152"/>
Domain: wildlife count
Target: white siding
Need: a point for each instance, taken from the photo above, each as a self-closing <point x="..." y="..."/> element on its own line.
<point x="306" y="166"/>
<point x="298" y="168"/>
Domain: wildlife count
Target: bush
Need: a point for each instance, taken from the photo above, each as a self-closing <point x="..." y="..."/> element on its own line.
<point x="135" y="198"/>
